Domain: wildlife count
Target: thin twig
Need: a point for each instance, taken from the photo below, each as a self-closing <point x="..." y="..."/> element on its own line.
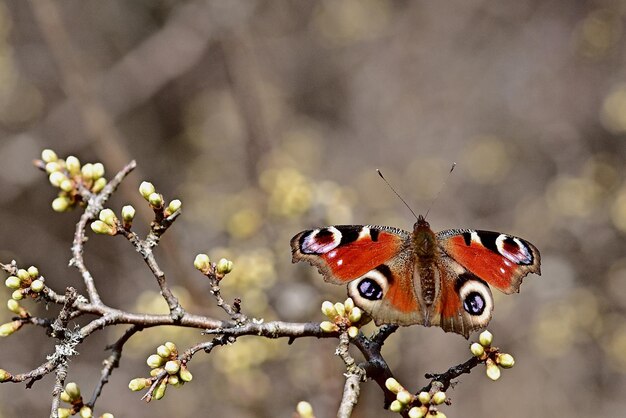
<point x="452" y="373"/>
<point x="61" y="373"/>
<point x="354" y="375"/>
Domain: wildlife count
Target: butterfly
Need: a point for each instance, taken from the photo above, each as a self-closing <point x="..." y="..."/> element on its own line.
<point x="420" y="277"/>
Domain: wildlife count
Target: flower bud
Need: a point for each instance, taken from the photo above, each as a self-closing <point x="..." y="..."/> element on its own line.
<point x="37" y="285"/>
<point x="18" y="295"/>
<point x="439" y="398"/>
<point x="477" y="349"/>
<point x="174" y="206"/>
<point x="418" y="412"/>
<point x="174" y="380"/>
<point x="156" y="372"/>
<point x="139" y="384"/>
<point x="48" y="155"/>
<point x="485" y="338"/>
<point x="33" y="272"/>
<point x="396" y="406"/>
<point x="73" y="165"/>
<point x="172" y="366"/>
<point x="328" y="309"/>
<point x="353" y="332"/>
<point x="14" y="306"/>
<point x="154" y="361"/>
<point x="202" y="262"/>
<point x="56" y="178"/>
<point x="172" y="347"/>
<point x="65" y="397"/>
<point x="128" y="213"/>
<point x="146" y="189"/>
<point x="53" y="166"/>
<point x="4" y="375"/>
<point x="404" y="397"/>
<point x="328" y="326"/>
<point x="163" y="351"/>
<point x="66" y="185"/>
<point x="304" y="409"/>
<point x="85" y="412"/>
<point x="13" y="282"/>
<point x="423" y="397"/>
<point x="185" y="374"/>
<point x="72" y="390"/>
<point x="64" y="412"/>
<point x="224" y="266"/>
<point x="107" y="415"/>
<point x="98" y="171"/>
<point x="506" y="361"/>
<point x="87" y="171"/>
<point x="159" y="392"/>
<point x="340" y="308"/>
<point x="493" y="371"/>
<point x="60" y="204"/>
<point x="155" y="200"/>
<point x="98" y="185"/>
<point x="108" y="217"/>
<point x="393" y="385"/>
<point x="349" y="304"/>
<point x="9" y="328"/>
<point x="100" y="227"/>
<point x="355" y="315"/>
<point x="23" y="275"/>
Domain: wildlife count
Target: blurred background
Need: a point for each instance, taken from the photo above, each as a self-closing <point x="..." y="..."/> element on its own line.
<point x="269" y="117"/>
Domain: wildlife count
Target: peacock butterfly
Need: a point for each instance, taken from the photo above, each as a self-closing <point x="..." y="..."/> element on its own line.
<point x="423" y="277"/>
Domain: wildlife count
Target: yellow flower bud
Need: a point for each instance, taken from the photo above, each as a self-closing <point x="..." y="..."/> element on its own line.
<point x="485" y="338"/>
<point x="37" y="285"/>
<point x="56" y="178"/>
<point x="64" y="413"/>
<point x="49" y="156"/>
<point x="493" y="371"/>
<point x="98" y="185"/>
<point x="418" y="412"/>
<point x="66" y="185"/>
<point x="73" y="165"/>
<point x="85" y="412"/>
<point x="155" y="360"/>
<point x="159" y="392"/>
<point x="72" y="390"/>
<point x="353" y="332"/>
<point x="328" y="309"/>
<point x="146" y="189"/>
<point x="9" y="328"/>
<point x="340" y="308"/>
<point x="17" y="295"/>
<point x="404" y="397"/>
<point x="4" y="375"/>
<point x="174" y="206"/>
<point x="128" y="213"/>
<point x="355" y="315"/>
<point x="33" y="272"/>
<point x="60" y="204"/>
<point x="163" y="351"/>
<point x="328" y="326"/>
<point x="185" y="374"/>
<point x="439" y="398"/>
<point x="477" y="349"/>
<point x="224" y="266"/>
<point x="304" y="409"/>
<point x="23" y="275"/>
<point x="506" y="361"/>
<point x="155" y="200"/>
<point x="65" y="397"/>
<point x="107" y="415"/>
<point x="53" y="166"/>
<point x="396" y="406"/>
<point x="14" y="306"/>
<point x="138" y="384"/>
<point x="100" y="227"/>
<point x="423" y="397"/>
<point x="172" y="347"/>
<point x="202" y="262"/>
<point x="349" y="304"/>
<point x="13" y="282"/>
<point x="174" y="380"/>
<point x="108" y="217"/>
<point x="98" y="171"/>
<point x="172" y="366"/>
<point x="87" y="171"/>
<point x="393" y="385"/>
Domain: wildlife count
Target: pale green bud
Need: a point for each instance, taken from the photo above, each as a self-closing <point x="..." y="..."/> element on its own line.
<point x="85" y="412"/>
<point x="146" y="189"/>
<point x="56" y="178"/>
<point x="404" y="397"/>
<point x="156" y="372"/>
<point x="328" y="309"/>
<point x="17" y="295"/>
<point x="9" y="328"/>
<point x="139" y="384"/>
<point x="33" y="272"/>
<point x="224" y="266"/>
<point x="328" y="326"/>
<point x="65" y="397"/>
<point x="87" y="171"/>
<point x="66" y="185"/>
<point x="128" y="213"/>
<point x="64" y="412"/>
<point x="174" y="380"/>
<point x="396" y="406"/>
<point x="349" y="304"/>
<point x="163" y="351"/>
<point x="353" y="332"/>
<point x="159" y="392"/>
<point x="477" y="349"/>
<point x="493" y="371"/>
<point x="97" y="171"/>
<point x="37" y="285"/>
<point x="155" y="360"/>
<point x="172" y="347"/>
<point x="439" y="398"/>
<point x="304" y="409"/>
<point x="485" y="338"/>
<point x="423" y="397"/>
<point x="100" y="227"/>
<point x="505" y="360"/>
<point x="23" y="275"/>
<point x="155" y="200"/>
<point x="13" y="282"/>
<point x="73" y="390"/>
<point x="172" y="366"/>
<point x="202" y="262"/>
<point x="48" y="155"/>
<point x="60" y="204"/>
<point x="4" y="375"/>
<point x="108" y="217"/>
<point x="107" y="415"/>
<point x="53" y="166"/>
<point x="393" y="385"/>
<point x="418" y="412"/>
<point x="98" y="185"/>
<point x="185" y="374"/>
<point x="355" y="315"/>
<point x="14" y="306"/>
<point x="340" y="308"/>
<point x="174" y="206"/>
<point x="73" y="165"/>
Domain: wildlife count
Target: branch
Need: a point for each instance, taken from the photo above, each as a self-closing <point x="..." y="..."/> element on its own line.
<point x="354" y="376"/>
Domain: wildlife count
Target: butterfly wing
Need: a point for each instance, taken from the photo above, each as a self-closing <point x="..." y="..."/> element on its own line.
<point x="375" y="262"/>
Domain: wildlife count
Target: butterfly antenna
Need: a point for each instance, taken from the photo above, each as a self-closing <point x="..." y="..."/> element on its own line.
<point x="394" y="190"/>
<point x="440" y="189"/>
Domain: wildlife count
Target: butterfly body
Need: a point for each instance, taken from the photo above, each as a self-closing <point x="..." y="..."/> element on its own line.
<point x="419" y="277"/>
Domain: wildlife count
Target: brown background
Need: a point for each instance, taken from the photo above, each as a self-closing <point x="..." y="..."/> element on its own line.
<point x="269" y="117"/>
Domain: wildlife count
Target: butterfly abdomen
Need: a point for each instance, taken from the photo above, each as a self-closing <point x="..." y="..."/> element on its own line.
<point x="425" y="252"/>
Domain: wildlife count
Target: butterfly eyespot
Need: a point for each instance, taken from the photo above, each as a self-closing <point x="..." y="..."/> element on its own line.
<point x="474" y="303"/>
<point x="320" y="241"/>
<point x="369" y="289"/>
